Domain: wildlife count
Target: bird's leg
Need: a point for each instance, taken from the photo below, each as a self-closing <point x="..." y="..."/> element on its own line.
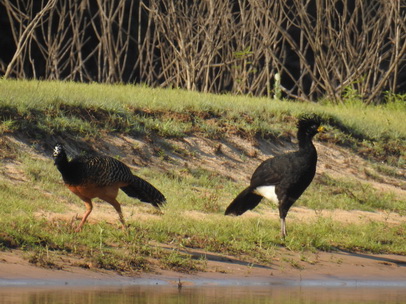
<point x="120" y="214"/>
<point x="89" y="208"/>
<point x="117" y="206"/>
<point x="282" y="214"/>
<point x="283" y="228"/>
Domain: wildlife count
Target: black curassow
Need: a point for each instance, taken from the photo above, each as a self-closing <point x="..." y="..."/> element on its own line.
<point x="102" y="176"/>
<point x="285" y="177"/>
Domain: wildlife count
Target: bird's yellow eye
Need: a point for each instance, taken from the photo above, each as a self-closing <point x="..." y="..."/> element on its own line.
<point x="320" y="129"/>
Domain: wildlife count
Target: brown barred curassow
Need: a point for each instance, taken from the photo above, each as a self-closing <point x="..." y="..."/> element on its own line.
<point x="102" y="176"/>
<point x="285" y="177"/>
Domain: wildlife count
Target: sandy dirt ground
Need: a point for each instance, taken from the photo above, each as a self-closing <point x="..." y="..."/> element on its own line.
<point x="335" y="269"/>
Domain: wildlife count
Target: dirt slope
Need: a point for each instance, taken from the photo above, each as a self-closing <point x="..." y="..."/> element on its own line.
<point x="236" y="158"/>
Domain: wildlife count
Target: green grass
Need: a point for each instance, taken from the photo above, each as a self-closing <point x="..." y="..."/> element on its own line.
<point x="197" y="197"/>
<point x="336" y="193"/>
<point x="41" y="109"/>
<point x="193" y="218"/>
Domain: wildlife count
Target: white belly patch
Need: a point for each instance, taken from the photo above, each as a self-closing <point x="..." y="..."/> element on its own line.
<point x="268" y="192"/>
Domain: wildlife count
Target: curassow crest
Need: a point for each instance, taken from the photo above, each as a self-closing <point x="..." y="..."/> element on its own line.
<point x="283" y="178"/>
<point x="102" y="176"/>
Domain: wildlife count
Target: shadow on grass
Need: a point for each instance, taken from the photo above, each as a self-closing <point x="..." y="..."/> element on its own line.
<point x="382" y="259"/>
<point x="209" y="256"/>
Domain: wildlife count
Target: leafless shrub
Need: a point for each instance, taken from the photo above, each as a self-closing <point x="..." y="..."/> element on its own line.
<point x="320" y="48"/>
<point x="354" y="44"/>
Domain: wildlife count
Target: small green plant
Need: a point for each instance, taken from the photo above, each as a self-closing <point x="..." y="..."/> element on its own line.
<point x="119" y="262"/>
<point x="181" y="262"/>
<point x="351" y="95"/>
<point x="293" y="263"/>
<point x="42" y="258"/>
<point x="7" y="126"/>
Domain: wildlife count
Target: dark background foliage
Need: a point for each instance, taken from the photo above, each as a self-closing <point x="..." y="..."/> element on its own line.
<point x="318" y="48"/>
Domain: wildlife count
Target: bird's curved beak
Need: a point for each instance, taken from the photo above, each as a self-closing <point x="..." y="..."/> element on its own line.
<point x="321" y="129"/>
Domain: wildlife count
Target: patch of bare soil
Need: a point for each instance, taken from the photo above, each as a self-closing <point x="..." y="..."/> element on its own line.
<point x="288" y="267"/>
<point x="235" y="158"/>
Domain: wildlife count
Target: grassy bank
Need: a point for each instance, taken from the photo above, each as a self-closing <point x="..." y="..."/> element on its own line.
<point x="39" y="113"/>
<point x="46" y="108"/>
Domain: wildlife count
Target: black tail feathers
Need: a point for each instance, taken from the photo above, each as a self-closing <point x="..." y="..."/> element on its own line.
<point x="145" y="192"/>
<point x="246" y="200"/>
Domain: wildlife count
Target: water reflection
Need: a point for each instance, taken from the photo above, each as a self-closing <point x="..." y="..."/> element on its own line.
<point x="202" y="294"/>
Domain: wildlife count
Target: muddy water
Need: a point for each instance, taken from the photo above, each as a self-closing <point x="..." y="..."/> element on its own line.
<point x="203" y="294"/>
